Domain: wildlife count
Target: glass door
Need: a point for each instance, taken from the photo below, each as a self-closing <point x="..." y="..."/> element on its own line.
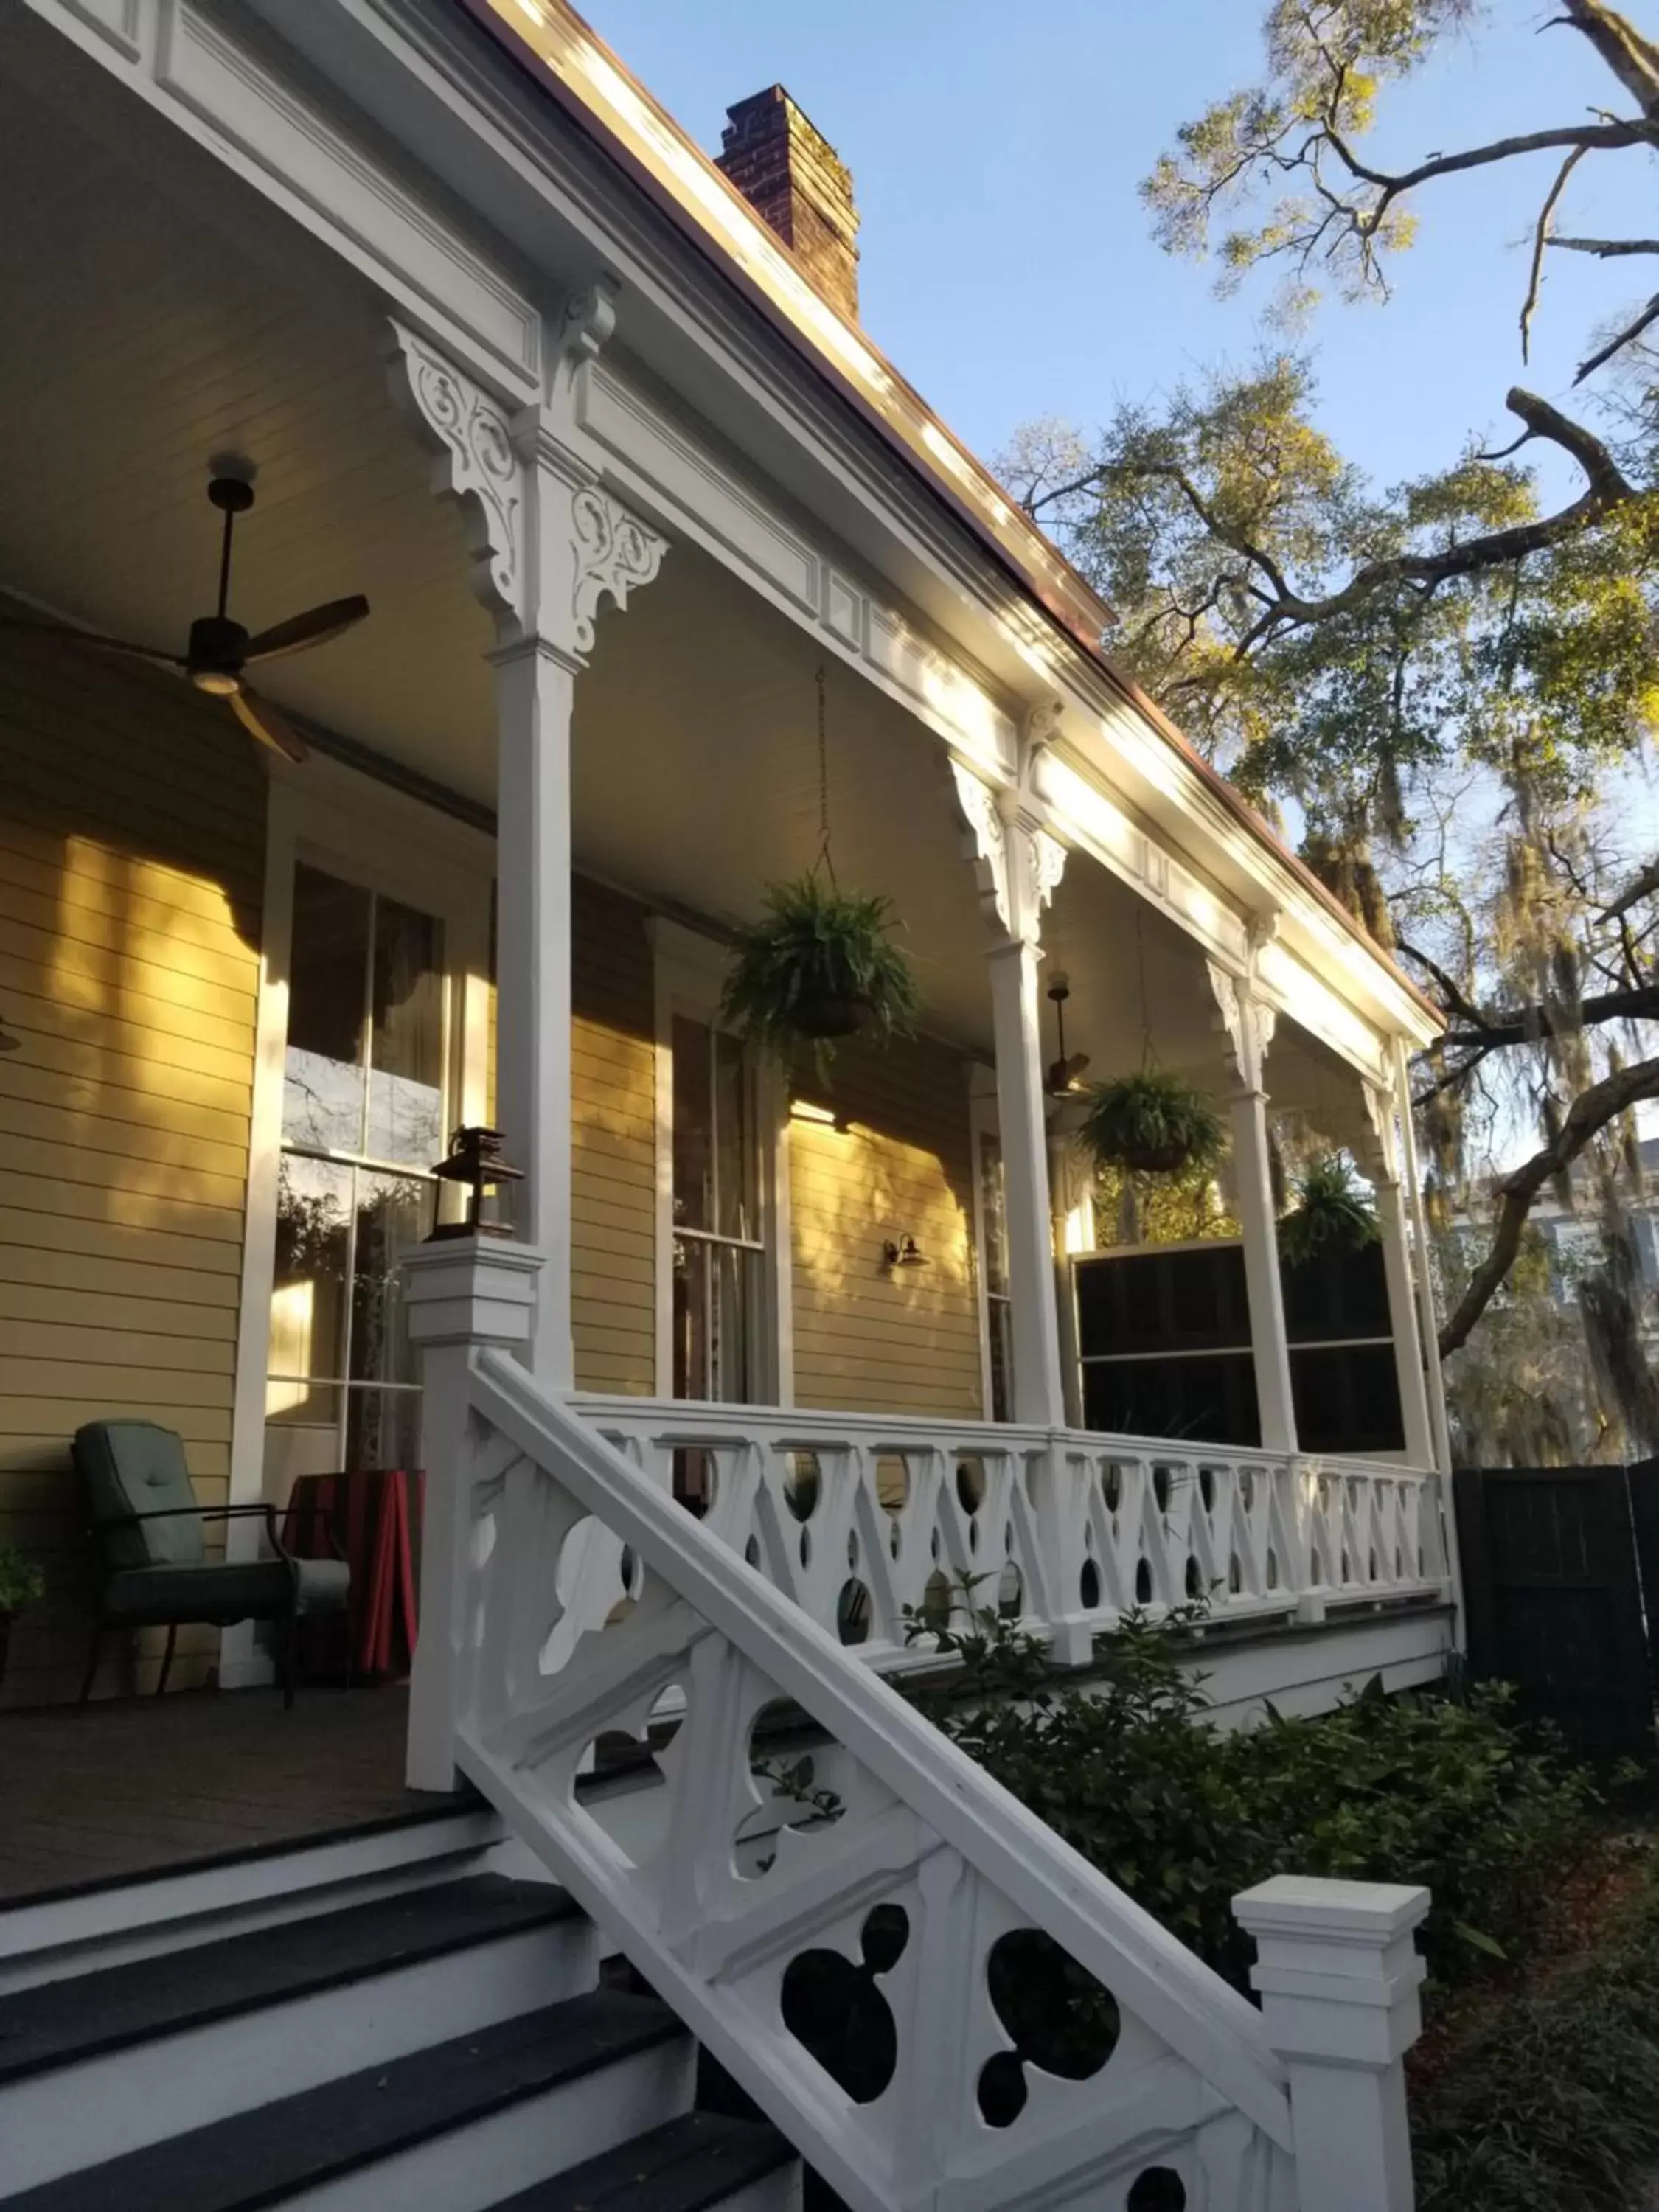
<point x="363" y="1120"/>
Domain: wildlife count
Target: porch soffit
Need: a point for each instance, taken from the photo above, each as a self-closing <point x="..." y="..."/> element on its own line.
<point x="667" y="300"/>
<point x="283" y="344"/>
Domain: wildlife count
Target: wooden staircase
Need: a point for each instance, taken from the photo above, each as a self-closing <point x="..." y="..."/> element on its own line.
<point x="416" y="2019"/>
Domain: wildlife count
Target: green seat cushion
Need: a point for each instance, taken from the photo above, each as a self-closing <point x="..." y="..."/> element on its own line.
<point x="219" y="1592"/>
<point x="135" y="1467"/>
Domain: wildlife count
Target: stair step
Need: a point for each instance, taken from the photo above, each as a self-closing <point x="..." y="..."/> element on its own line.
<point x="61" y="2023"/>
<point x="687" y="2165"/>
<point x="298" y="2146"/>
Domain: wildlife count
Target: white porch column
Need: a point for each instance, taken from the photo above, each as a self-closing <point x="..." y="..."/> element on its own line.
<point x="1428" y="1319"/>
<point x="1249" y="1023"/>
<point x="550" y="544"/>
<point x="1019" y="866"/>
<point x="1381" y="1157"/>
<point x="1338" y="1974"/>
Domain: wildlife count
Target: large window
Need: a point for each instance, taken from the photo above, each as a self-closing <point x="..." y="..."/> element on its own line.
<point x="720" y="1246"/>
<point x="993" y="1278"/>
<point x="363" y="1120"/>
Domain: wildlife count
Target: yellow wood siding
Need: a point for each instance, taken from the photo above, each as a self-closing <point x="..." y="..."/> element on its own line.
<point x="613" y="1136"/>
<point x="893" y="1340"/>
<point x="131" y="856"/>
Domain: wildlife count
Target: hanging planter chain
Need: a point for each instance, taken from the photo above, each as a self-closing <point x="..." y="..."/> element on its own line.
<point x="826" y="859"/>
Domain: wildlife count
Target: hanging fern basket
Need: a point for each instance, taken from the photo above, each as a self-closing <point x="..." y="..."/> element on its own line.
<point x="819" y="965"/>
<point x="1152" y="1123"/>
<point x="1329" y="1214"/>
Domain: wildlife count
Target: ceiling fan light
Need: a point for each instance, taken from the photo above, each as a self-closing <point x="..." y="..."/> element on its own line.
<point x="219" y="682"/>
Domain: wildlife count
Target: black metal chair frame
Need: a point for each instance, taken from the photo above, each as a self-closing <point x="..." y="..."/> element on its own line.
<point x="289" y="1616"/>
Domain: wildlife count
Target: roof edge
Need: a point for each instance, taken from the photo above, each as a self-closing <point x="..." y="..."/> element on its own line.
<point x="560" y="53"/>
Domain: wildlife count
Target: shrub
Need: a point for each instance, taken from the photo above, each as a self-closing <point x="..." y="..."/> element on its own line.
<point x="1183" y="1815"/>
<point x="1554" y="2099"/>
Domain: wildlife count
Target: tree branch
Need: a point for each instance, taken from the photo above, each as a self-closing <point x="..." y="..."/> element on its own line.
<point x="1540" y="237"/>
<point x="1521" y="1025"/>
<point x="1626" y="337"/>
<point x="1605" y="248"/>
<point x="1634" y="891"/>
<point x="1591" y="1111"/>
<point x="1606" y="488"/>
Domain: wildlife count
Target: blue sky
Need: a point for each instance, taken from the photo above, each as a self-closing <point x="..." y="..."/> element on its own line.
<point x="1007" y="266"/>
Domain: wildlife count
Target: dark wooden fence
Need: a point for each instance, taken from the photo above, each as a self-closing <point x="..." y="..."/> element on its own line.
<point x="1561" y="1587"/>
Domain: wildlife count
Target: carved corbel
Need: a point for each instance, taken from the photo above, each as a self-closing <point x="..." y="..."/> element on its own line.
<point x="1037" y="736"/>
<point x="615" y="554"/>
<point x="475" y="464"/>
<point x="1249" y="1023"/>
<point x="1378" y="1148"/>
<point x="585" y="329"/>
<point x="985" y="845"/>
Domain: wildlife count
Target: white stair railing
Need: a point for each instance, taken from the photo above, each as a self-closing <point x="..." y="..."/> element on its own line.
<point x="568" y="1601"/>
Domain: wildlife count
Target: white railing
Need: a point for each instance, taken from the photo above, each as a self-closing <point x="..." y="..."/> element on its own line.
<point x="569" y="1601"/>
<point x="862" y="1519"/>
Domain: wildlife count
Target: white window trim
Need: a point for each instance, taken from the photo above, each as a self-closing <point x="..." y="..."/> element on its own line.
<point x="690" y="971"/>
<point x="367" y="833"/>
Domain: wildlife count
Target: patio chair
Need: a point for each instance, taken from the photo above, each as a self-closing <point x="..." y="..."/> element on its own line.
<point x="150" y="1533"/>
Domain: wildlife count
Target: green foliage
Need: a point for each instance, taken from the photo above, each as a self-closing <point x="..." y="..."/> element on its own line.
<point x="1154" y="1122"/>
<point x="22" y="1583"/>
<point x="1329" y="1213"/>
<point x="1183" y="1814"/>
<point x="816" y="945"/>
<point x="1554" y="2100"/>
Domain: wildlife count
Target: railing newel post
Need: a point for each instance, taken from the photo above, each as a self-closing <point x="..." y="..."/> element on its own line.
<point x="1338" y="1973"/>
<point x="460" y="1293"/>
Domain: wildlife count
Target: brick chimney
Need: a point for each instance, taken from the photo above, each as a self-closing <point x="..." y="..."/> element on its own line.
<point x="790" y="175"/>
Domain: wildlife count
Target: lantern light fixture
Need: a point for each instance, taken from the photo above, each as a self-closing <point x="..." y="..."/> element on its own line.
<point x="474" y="1160"/>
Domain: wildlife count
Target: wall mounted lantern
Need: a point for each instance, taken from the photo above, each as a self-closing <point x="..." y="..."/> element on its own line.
<point x="903" y="1252"/>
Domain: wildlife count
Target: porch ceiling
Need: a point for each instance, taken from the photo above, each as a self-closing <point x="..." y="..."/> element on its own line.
<point x="173" y="315"/>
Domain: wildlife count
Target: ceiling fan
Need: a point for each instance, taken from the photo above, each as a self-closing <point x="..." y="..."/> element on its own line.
<point x="220" y="648"/>
<point x="1061" y="1080"/>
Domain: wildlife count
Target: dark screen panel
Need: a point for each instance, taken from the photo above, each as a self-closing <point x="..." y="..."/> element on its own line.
<point x="1162" y="1301"/>
<point x="1336" y="1297"/>
<point x="1195" y="1400"/>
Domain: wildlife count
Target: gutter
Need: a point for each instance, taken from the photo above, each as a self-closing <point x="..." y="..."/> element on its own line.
<point x="1028" y="577"/>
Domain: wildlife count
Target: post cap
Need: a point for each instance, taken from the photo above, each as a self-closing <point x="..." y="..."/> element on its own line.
<point x="1378" y="1912"/>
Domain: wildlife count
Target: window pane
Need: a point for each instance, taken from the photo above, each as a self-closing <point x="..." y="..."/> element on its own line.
<point x="405" y="1084"/>
<point x="383" y="1428"/>
<point x="328" y="975"/>
<point x="995" y="1219"/>
<point x="693" y="1137"/>
<point x="393" y="1213"/>
<point x="1000" y="1317"/>
<point x="691" y="1261"/>
<point x="730" y="1333"/>
<point x="736" y="1214"/>
<point x="308" y="1300"/>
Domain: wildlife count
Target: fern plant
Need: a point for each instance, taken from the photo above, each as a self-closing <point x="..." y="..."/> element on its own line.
<point x="1329" y="1213"/>
<point x="819" y="964"/>
<point x="22" y="1583"/>
<point x="1152" y="1123"/>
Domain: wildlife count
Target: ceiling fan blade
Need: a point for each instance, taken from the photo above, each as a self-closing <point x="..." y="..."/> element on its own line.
<point x="68" y="634"/>
<point x="1077" y="1063"/>
<point x="260" y="720"/>
<point x="315" y="627"/>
